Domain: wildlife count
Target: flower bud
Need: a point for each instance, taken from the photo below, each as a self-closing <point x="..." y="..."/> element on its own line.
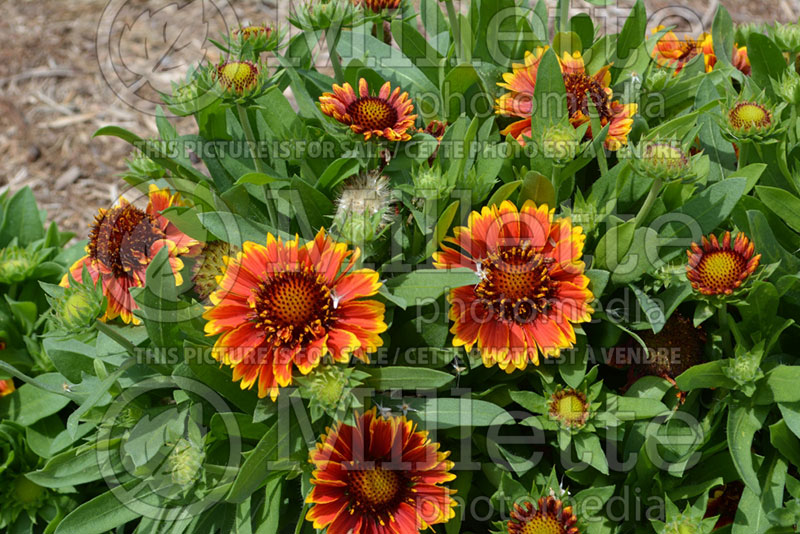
<point x="185" y="463"/>
<point x="17" y="264"/>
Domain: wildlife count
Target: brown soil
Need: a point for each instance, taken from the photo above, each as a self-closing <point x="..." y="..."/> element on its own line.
<point x="53" y="95"/>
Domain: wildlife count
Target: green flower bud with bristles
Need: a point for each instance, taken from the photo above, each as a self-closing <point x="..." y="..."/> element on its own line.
<point x="561" y="143"/>
<point x="664" y="160"/>
<point x="429" y="183"/>
<point x="316" y="15"/>
<point x="78" y="307"/>
<point x="328" y="389"/>
<point x="185" y="463"/>
<point x="787" y="36"/>
<point x="17" y="264"/>
<point x="788" y="88"/>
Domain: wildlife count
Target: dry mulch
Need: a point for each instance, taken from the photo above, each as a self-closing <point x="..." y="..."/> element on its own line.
<point x="53" y="95"/>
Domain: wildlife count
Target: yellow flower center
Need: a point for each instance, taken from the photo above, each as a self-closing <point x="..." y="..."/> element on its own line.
<point x="121" y="238"/>
<point x="721" y="269"/>
<point x="570" y="407"/>
<point x="374" y="489"/>
<point x="238" y="75"/>
<point x="516" y="284"/>
<point x="543" y="524"/>
<point x="294" y="305"/>
<point x="750" y="115"/>
<point x="372" y="113"/>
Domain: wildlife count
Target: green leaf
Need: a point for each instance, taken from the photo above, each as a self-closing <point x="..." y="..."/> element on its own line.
<point x="316" y="206"/>
<point x="743" y="422"/>
<point x="107" y="511"/>
<point x="766" y="60"/>
<point x="443" y="226"/>
<point x="705" y="375"/>
<point x="633" y="32"/>
<point x="782" y="203"/>
<point x="336" y="173"/>
<point x="538" y="188"/>
<point x="425" y="285"/>
<point x="386" y="378"/>
<point x="256" y="178"/>
<point x="455" y="86"/>
<point x="21" y="219"/>
<point x="461" y="412"/>
<point x="779" y="385"/>
<point x="503" y="192"/>
<point x="416" y="48"/>
<point x="29" y="403"/>
<point x="633" y="408"/>
<point x="256" y="468"/>
<point x="613" y="246"/>
<point x="722" y="35"/>
<point x="73" y="467"/>
<point x="785" y="442"/>
<point x="549" y="95"/>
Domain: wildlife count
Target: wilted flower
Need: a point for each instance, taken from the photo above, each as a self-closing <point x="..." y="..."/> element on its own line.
<point x="363" y="208"/>
<point x="122" y="242"/>
<point x="547" y="516"/>
<point x="717" y="268"/>
<point x="724" y="502"/>
<point x="578" y="83"/>
<point x="358" y="486"/>
<point x="286" y="305"/>
<point x="388" y="115"/>
<point x="677" y="347"/>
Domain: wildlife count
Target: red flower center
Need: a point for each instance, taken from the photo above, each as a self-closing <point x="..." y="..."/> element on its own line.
<point x="121" y="238"/>
<point x="689" y="49"/>
<point x="516" y="284"/>
<point x="374" y="490"/>
<point x="293" y="305"/>
<point x="549" y="517"/>
<point x="721" y="270"/>
<point x="372" y="113"/>
<point x="577" y="84"/>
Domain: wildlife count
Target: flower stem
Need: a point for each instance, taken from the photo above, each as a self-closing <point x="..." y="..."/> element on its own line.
<point x="454" y="28"/>
<point x="644" y="211"/>
<point x="744" y="154"/>
<point x="725" y="331"/>
<point x="251" y="138"/>
<point x="332" y="39"/>
<point x="301" y="520"/>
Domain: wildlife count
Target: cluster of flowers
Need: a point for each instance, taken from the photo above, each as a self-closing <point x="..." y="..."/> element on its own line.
<point x="280" y="307"/>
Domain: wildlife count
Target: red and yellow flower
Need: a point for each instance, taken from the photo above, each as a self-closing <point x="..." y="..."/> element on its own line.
<point x="532" y="286"/>
<point x="378" y="6"/>
<point x="380" y="476"/>
<point x="286" y="305"/>
<point x="720" y="267"/>
<point x="122" y="242"/>
<point x="547" y="516"/>
<point x="388" y="115"/>
<point x="672" y="52"/>
<point x="6" y="387"/>
<point x="521" y="83"/>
